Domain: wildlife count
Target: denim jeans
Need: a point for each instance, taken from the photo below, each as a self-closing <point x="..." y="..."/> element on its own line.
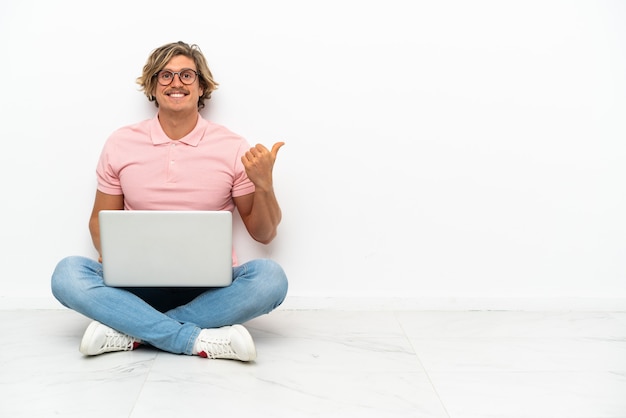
<point x="169" y="318"/>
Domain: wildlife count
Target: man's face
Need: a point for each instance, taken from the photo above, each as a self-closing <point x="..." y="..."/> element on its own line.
<point x="178" y="96"/>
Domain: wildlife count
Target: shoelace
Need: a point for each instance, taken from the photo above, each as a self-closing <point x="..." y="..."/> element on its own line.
<point x="216" y="349"/>
<point x="118" y="341"/>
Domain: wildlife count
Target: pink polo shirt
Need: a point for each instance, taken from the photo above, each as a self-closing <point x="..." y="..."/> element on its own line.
<point x="202" y="171"/>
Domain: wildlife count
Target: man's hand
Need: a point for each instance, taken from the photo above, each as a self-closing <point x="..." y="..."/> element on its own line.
<point x="259" y="163"/>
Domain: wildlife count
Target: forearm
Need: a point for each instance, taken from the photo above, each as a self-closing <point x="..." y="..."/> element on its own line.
<point x="259" y="210"/>
<point x="94" y="229"/>
<point x="264" y="217"/>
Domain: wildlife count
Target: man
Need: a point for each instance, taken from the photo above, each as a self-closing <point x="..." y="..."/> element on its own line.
<point x="210" y="169"/>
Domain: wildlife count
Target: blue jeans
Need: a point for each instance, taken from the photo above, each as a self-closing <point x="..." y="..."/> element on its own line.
<point x="169" y="318"/>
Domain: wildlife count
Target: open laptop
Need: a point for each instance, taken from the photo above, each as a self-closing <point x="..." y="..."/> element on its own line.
<point x="149" y="248"/>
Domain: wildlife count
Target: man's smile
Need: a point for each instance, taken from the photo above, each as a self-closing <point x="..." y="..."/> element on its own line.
<point x="176" y="94"/>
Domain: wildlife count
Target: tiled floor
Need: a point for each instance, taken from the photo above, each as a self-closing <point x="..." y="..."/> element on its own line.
<point x="331" y="364"/>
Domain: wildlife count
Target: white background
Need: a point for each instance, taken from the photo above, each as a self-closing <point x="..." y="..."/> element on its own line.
<point x="439" y="154"/>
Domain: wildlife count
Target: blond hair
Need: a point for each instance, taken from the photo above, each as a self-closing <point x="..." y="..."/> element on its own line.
<point x="159" y="58"/>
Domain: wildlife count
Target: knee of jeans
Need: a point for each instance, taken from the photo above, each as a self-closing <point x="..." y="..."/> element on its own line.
<point x="62" y="275"/>
<point x="59" y="275"/>
<point x="279" y="282"/>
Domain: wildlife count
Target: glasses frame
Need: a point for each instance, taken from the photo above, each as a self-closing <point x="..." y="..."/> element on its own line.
<point x="174" y="74"/>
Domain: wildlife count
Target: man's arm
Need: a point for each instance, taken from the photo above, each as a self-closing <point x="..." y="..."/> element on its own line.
<point x="260" y="211"/>
<point x="103" y="201"/>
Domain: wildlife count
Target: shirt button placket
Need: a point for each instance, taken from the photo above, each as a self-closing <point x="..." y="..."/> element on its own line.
<point x="171" y="167"/>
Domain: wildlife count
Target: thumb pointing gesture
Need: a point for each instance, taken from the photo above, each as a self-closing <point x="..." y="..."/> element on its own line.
<point x="275" y="148"/>
<point x="259" y="163"/>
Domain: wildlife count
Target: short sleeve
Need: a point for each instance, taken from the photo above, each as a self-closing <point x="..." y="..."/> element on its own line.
<point x="107" y="177"/>
<point x="241" y="184"/>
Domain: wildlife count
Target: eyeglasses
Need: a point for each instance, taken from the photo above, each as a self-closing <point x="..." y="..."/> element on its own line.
<point x="186" y="76"/>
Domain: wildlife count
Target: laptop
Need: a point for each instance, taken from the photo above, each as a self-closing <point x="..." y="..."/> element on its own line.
<point x="150" y="248"/>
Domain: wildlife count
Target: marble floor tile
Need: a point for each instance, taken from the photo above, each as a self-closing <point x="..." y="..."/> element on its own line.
<point x="532" y="395"/>
<point x="42" y="374"/>
<point x="372" y="355"/>
<point x="327" y="324"/>
<point x="621" y="316"/>
<point x="511" y="354"/>
<point x="331" y="364"/>
<point x="270" y="389"/>
<point x="512" y="324"/>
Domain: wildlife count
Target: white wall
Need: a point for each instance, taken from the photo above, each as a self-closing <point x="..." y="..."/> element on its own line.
<point x="440" y="154"/>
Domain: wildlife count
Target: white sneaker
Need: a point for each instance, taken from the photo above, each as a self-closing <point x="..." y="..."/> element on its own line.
<point x="99" y="338"/>
<point x="230" y="342"/>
